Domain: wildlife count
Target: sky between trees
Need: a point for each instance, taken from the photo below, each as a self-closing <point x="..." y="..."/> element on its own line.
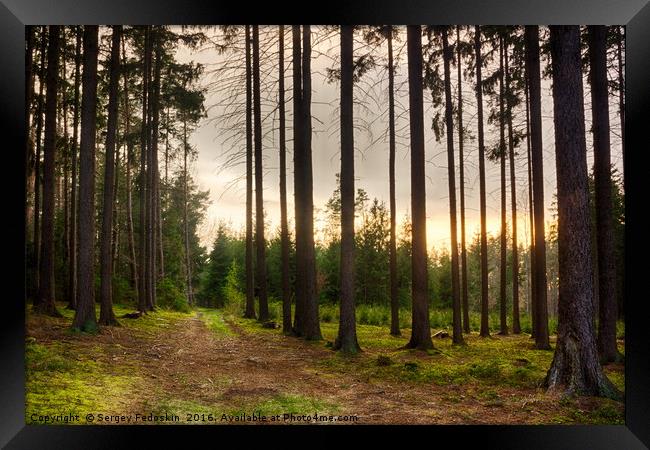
<point x="227" y="183"/>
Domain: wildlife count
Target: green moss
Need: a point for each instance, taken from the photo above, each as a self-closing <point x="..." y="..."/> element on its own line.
<point x="58" y="382"/>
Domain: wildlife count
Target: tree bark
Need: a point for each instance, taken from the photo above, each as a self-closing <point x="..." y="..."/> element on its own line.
<point x="516" y="326"/>
<point x="531" y="255"/>
<point x="45" y="301"/>
<point x="156" y="241"/>
<point x="485" y="327"/>
<point x="259" y="188"/>
<point x="298" y="168"/>
<point x="37" y="165"/>
<point x="72" y="270"/>
<point x="29" y="143"/>
<point x="503" y="324"/>
<point x="461" y="168"/>
<point x="129" y="161"/>
<point x="457" y="335"/>
<point x="607" y="315"/>
<point x="311" y="328"/>
<point x="106" y="314"/>
<point x="346" y="340"/>
<point x="144" y="285"/>
<point x="420" y="329"/>
<point x="284" y="226"/>
<point x="575" y="367"/>
<point x="394" y="298"/>
<point x="533" y="73"/>
<point x="250" y="296"/>
<point x="84" y="318"/>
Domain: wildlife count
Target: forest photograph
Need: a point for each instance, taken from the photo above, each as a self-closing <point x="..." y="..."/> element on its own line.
<point x="324" y="224"/>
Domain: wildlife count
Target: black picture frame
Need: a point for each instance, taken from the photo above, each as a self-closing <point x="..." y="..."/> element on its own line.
<point x="635" y="14"/>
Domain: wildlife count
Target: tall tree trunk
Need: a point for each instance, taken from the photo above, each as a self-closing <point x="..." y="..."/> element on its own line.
<point x="457" y="336"/>
<point x="143" y="287"/>
<point x="259" y="188"/>
<point x="346" y="340"/>
<point x="29" y="143"/>
<point x="620" y="35"/>
<point x="45" y="301"/>
<point x="607" y="315"/>
<point x="516" y="326"/>
<point x="298" y="189"/>
<point x="250" y="283"/>
<point x="156" y="249"/>
<point x="72" y="269"/>
<point x="531" y="255"/>
<point x="394" y="297"/>
<point x="461" y="167"/>
<point x="575" y="367"/>
<point x="503" y="324"/>
<point x="533" y="73"/>
<point x="311" y="328"/>
<point x="420" y="329"/>
<point x="485" y="327"/>
<point x="37" y="164"/>
<point x="106" y="314"/>
<point x="66" y="167"/>
<point x="85" y="318"/>
<point x="284" y="226"/>
<point x="186" y="227"/>
<point x="129" y="163"/>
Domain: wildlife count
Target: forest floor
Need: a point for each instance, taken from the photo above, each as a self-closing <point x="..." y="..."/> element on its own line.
<point x="210" y="366"/>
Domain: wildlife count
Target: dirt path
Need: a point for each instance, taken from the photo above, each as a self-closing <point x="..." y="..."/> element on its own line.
<point x="191" y="363"/>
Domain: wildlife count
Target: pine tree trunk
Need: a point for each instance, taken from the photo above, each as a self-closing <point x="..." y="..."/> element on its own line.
<point x="250" y="293"/>
<point x="531" y="255"/>
<point x="503" y="325"/>
<point x="394" y="297"/>
<point x="143" y="287"/>
<point x="516" y="326"/>
<point x="346" y="340"/>
<point x="156" y="241"/>
<point x="37" y="165"/>
<point x="186" y="230"/>
<point x="621" y="84"/>
<point x="420" y="329"/>
<point x="284" y="226"/>
<point x="29" y="143"/>
<point x="129" y="196"/>
<point x="66" y="168"/>
<point x="533" y="73"/>
<point x="575" y="367"/>
<point x="106" y="315"/>
<point x="45" y="302"/>
<point x="607" y="315"/>
<point x="461" y="168"/>
<point x="298" y="168"/>
<point x="259" y="188"/>
<point x="485" y="327"/>
<point x="72" y="270"/>
<point x="311" y="328"/>
<point x="457" y="335"/>
<point x="85" y="318"/>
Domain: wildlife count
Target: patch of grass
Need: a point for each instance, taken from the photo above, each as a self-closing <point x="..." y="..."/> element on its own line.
<point x="288" y="404"/>
<point x="215" y="321"/>
<point x="59" y="382"/>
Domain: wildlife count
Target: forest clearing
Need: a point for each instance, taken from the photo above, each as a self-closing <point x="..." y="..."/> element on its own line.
<point x="211" y="363"/>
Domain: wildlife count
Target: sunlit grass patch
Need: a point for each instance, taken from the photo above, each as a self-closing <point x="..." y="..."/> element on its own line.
<point x="60" y="382"/>
<point x="214" y="320"/>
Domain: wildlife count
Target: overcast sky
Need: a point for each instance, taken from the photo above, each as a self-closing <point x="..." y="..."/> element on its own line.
<point x="227" y="185"/>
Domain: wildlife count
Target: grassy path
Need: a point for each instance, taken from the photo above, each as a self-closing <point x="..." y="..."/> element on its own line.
<point x="210" y="367"/>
